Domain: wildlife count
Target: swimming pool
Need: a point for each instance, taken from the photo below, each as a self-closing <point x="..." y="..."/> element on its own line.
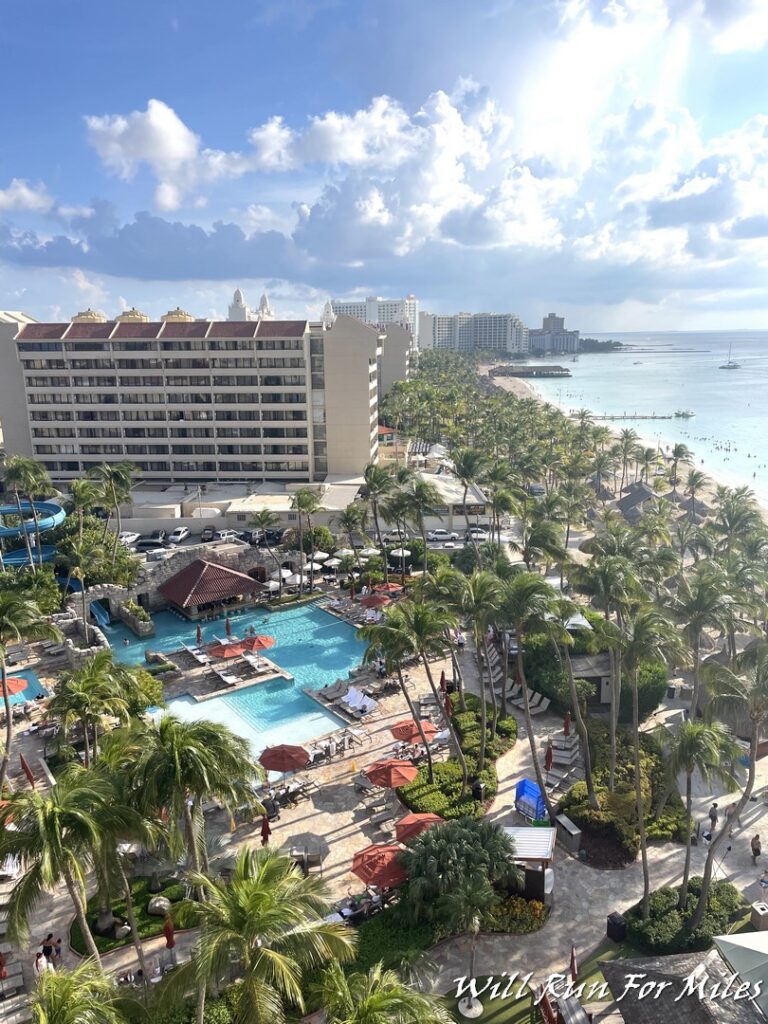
<point x="33" y="689"/>
<point x="315" y="647"/>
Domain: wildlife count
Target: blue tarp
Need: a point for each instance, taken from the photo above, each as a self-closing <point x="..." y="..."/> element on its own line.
<point x="528" y="800"/>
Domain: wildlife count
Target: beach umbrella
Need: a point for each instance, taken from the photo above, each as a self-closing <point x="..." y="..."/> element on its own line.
<point x="375" y="601"/>
<point x="567" y="723"/>
<point x="280" y="574"/>
<point x="16" y="684"/>
<point x="272" y="586"/>
<point x="320" y="556"/>
<point x="442" y="682"/>
<point x="344" y="553"/>
<point x="293" y="580"/>
<point x="333" y="563"/>
<point x="408" y="731"/>
<point x="266" y="831"/>
<point x="283" y="758"/>
<point x="227" y="650"/>
<point x="574" y="964"/>
<point x="448" y="705"/>
<point x="369" y="552"/>
<point x="27" y="770"/>
<point x="199" y="634"/>
<point x="388" y="588"/>
<point x="391" y="773"/>
<point x="259" y="642"/>
<point x="548" y="758"/>
<point x="400" y="553"/>
<point x="379" y="865"/>
<point x="169" y="932"/>
<point x="413" y="825"/>
<point x="312" y="567"/>
<point x="228" y="626"/>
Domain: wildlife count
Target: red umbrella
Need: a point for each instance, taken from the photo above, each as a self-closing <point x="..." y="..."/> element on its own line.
<point x="548" y="759"/>
<point x="16" y="684"/>
<point x="378" y="865"/>
<point x="413" y="825"/>
<point x="388" y="588"/>
<point x="266" y="831"/>
<point x="574" y="965"/>
<point x="199" y="634"/>
<point x="391" y="773"/>
<point x="375" y="601"/>
<point x="352" y="590"/>
<point x="227" y="650"/>
<point x="448" y="705"/>
<point x="408" y="731"/>
<point x="258" y="643"/>
<point x="228" y="626"/>
<point x="442" y="681"/>
<point x="283" y="758"/>
<point x="27" y="770"/>
<point x="567" y="723"/>
<point x="168" y="932"/>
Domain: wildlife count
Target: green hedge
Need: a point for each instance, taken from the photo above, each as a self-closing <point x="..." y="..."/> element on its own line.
<point x="514" y="915"/>
<point x="391" y="937"/>
<point x="149" y="926"/>
<point x="664" y="932"/>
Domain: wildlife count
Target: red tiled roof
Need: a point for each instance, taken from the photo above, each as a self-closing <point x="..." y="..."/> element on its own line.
<point x="282" y="328"/>
<point x="233" y="329"/>
<point x="195" y="329"/>
<point x="386" y="430"/>
<point x="39" y="332"/>
<point x="90" y="330"/>
<point x="138" y="330"/>
<point x="202" y="582"/>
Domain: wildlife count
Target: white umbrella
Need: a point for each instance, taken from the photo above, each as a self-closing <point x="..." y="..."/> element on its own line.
<point x="400" y="553"/>
<point x="281" y="574"/>
<point x="312" y="567"/>
<point x="333" y="563"/>
<point x="294" y="580"/>
<point x="369" y="552"/>
<point x="320" y="556"/>
<point x="272" y="585"/>
<point x="344" y="553"/>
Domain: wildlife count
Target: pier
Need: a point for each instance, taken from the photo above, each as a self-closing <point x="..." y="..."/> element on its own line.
<point x="530" y="371"/>
<point x="637" y="416"/>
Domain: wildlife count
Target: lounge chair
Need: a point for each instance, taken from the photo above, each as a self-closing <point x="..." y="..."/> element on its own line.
<point x="540" y="708"/>
<point x="363" y="784"/>
<point x="533" y="699"/>
<point x="379" y="819"/>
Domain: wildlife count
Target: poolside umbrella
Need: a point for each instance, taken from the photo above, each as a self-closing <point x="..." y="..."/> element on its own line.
<point x="442" y="682"/>
<point x="293" y="580"/>
<point x="574" y="964"/>
<point x="320" y="556"/>
<point x="16" y="684"/>
<point x="548" y="759"/>
<point x="567" y="723"/>
<point x="369" y="552"/>
<point x="333" y="563"/>
<point x="344" y="553"/>
<point x="408" y="731"/>
<point x="283" y="758"/>
<point x="227" y="650"/>
<point x="391" y="773"/>
<point x="258" y="642"/>
<point x="388" y="588"/>
<point x="280" y="574"/>
<point x="169" y="933"/>
<point x="375" y="601"/>
<point x="312" y="567"/>
<point x="448" y="706"/>
<point x="378" y="865"/>
<point x="266" y="831"/>
<point x="199" y="634"/>
<point x="413" y="825"/>
<point x="27" y="770"/>
<point x="400" y="553"/>
<point x="272" y="586"/>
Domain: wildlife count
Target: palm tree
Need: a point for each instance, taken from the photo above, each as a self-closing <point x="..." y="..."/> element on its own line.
<point x="116" y="479"/>
<point x="83" y="494"/>
<point x="463" y="909"/>
<point x="540" y="540"/>
<point x="271" y="921"/>
<point x="693" y="484"/>
<point x="24" y="475"/>
<point x="20" y="619"/>
<point x="84" y="995"/>
<point x="306" y="502"/>
<point x="627" y="451"/>
<point x="378" y="486"/>
<point x="680" y="453"/>
<point x="423" y="500"/>
<point x="736" y="517"/>
<point x="701" y="747"/>
<point x="266" y="520"/>
<point x="646" y="636"/>
<point x="525" y="603"/>
<point x="469" y="465"/>
<point x="701" y="603"/>
<point x="377" y="997"/>
<point x="348" y="520"/>
<point x="82" y="559"/>
<point x="54" y="836"/>
<point x="479" y="598"/>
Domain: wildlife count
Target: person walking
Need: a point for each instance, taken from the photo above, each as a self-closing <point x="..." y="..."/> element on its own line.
<point x="756" y="848"/>
<point x="713" y="817"/>
<point x="46" y="947"/>
<point x="58" y="954"/>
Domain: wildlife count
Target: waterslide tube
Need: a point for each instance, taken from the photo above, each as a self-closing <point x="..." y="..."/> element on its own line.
<point x="49" y="514"/>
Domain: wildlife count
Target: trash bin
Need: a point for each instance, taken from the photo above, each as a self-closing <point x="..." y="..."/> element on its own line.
<point x="568" y="833"/>
<point x="617" y="927"/>
<point x="759" y="917"/>
<point x="478" y="791"/>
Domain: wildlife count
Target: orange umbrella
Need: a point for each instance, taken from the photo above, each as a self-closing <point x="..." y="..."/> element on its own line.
<point x="413" y="825"/>
<point x="378" y="865"/>
<point x="283" y="758"/>
<point x="408" y="731"/>
<point x="375" y="601"/>
<point x="227" y="650"/>
<point x="391" y="773"/>
<point x="388" y="588"/>
<point x="258" y="643"/>
<point x="168" y="932"/>
<point x="16" y="684"/>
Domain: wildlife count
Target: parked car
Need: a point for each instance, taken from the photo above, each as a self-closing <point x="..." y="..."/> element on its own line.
<point x="179" y="534"/>
<point x="537" y="490"/>
<point x="252" y="537"/>
<point x="477" y="533"/>
<point x="158" y="554"/>
<point x="394" y="536"/>
<point x="440" y="534"/>
<point x="158" y="535"/>
<point x="227" y="535"/>
<point x="128" y="538"/>
<point x="145" y="543"/>
<point x="272" y="536"/>
<point x="206" y="534"/>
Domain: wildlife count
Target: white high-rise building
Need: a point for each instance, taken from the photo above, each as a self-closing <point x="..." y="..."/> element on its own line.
<point x="375" y="310"/>
<point x="468" y="332"/>
<point x="241" y="311"/>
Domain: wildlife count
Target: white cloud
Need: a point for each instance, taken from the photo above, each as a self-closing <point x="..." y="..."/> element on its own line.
<point x="20" y="195"/>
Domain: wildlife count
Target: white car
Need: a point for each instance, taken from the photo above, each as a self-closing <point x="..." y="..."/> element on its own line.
<point x="157" y="554"/>
<point x="395" y="536"/>
<point x="179" y="534"/>
<point x="128" y="538"/>
<point x="440" y="534"/>
<point x="477" y="533"/>
<point x="227" y="535"/>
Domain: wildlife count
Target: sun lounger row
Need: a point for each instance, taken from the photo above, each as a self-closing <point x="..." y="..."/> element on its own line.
<point x="537" y="702"/>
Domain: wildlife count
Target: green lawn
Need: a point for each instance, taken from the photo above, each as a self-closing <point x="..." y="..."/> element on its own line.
<point x="148" y="926"/>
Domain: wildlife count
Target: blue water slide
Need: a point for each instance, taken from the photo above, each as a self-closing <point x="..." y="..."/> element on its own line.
<point x="49" y="514"/>
<point x="99" y="614"/>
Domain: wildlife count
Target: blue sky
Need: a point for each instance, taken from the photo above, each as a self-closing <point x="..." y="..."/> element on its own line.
<point x="605" y="158"/>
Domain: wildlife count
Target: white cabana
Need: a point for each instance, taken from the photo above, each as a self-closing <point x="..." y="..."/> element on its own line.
<point x="312" y="567"/>
<point x="533" y="844"/>
<point x="294" y="580"/>
<point x="400" y="553"/>
<point x="333" y="563"/>
<point x="320" y="556"/>
<point x="747" y="955"/>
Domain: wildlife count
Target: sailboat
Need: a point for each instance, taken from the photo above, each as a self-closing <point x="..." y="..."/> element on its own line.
<point x="731" y="364"/>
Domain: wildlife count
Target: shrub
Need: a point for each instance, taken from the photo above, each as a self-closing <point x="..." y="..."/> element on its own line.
<point x="391" y="937"/>
<point x="442" y="796"/>
<point x="148" y="926"/>
<point x="515" y="915"/>
<point x="40" y="586"/>
<point x="664" y="932"/>
<point x="651" y="686"/>
<point x="133" y="608"/>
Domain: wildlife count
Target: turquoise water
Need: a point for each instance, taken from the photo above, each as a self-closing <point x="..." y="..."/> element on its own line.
<point x="680" y="370"/>
<point x="34" y="687"/>
<point x="314" y="647"/>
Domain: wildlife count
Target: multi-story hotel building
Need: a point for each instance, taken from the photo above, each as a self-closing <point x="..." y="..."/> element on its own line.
<point x="553" y="337"/>
<point x="471" y="332"/>
<point x="375" y="310"/>
<point x="191" y="400"/>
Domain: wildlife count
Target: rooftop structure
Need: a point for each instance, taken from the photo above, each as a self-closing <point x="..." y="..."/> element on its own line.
<point x="206" y="583"/>
<point x="375" y="310"/>
<point x="241" y="311"/>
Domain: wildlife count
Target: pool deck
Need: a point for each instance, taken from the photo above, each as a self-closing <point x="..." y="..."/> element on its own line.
<point x="200" y="683"/>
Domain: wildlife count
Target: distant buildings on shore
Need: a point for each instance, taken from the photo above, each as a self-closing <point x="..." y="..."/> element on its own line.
<point x="473" y="332"/>
<point x="552" y="337"/>
<point x="378" y="311"/>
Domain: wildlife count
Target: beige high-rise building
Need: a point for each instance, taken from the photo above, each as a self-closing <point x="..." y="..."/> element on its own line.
<point x="192" y="400"/>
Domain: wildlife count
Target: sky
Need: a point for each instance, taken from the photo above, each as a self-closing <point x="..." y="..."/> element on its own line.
<point x="604" y="159"/>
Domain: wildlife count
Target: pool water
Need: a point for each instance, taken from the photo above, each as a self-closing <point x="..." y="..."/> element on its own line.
<point x="33" y="689"/>
<point x="315" y="647"/>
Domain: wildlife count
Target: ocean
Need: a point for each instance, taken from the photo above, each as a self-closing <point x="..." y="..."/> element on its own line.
<point x="662" y="373"/>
